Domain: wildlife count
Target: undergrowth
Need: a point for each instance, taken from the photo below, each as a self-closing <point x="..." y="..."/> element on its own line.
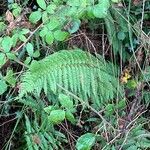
<point x="74" y="74"/>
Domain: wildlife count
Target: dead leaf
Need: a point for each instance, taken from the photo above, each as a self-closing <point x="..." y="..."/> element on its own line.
<point x="9" y="16"/>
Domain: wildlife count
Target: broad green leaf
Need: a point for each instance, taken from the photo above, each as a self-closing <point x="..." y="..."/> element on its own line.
<point x="86" y="141"/>
<point x="60" y="35"/>
<point x="22" y="38"/>
<point x="29" y="48"/>
<point x="53" y="24"/>
<point x="44" y="17"/>
<point x="3" y="86"/>
<point x="7" y="44"/>
<point x="48" y="109"/>
<point x="10" y="78"/>
<point x="43" y="32"/>
<point x="121" y="35"/>
<point x="49" y="38"/>
<point x="35" y="16"/>
<point x="51" y="8"/>
<point x="101" y="10"/>
<point x="65" y="101"/>
<point x="56" y="116"/>
<point x="70" y="117"/>
<point x="11" y="56"/>
<point x="42" y="4"/>
<point x="2" y="26"/>
<point x="2" y="59"/>
<point x="28" y="60"/>
<point x="25" y="31"/>
<point x="36" y="54"/>
<point x="15" y="38"/>
<point x="75" y="26"/>
<point x="16" y="12"/>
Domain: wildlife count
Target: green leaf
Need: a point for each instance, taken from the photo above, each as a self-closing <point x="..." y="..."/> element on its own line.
<point x="70" y="117"/>
<point x="29" y="48"/>
<point x="48" y="109"/>
<point x="121" y="104"/>
<point x="43" y="32"/>
<point x="121" y="35"/>
<point x="53" y="24"/>
<point x="36" y="54"/>
<point x="44" y="17"/>
<point x="101" y="10"/>
<point x="7" y="44"/>
<point x="3" y="86"/>
<point x="2" y="26"/>
<point x="51" y="8"/>
<point x="22" y="38"/>
<point x="11" y="56"/>
<point x="41" y="3"/>
<point x="28" y="60"/>
<point x="85" y="142"/>
<point x="75" y="26"/>
<point x="10" y="78"/>
<point x="109" y="110"/>
<point x="2" y="59"/>
<point x="35" y="16"/>
<point x="24" y="31"/>
<point x="49" y="38"/>
<point x="56" y="116"/>
<point x="16" y="12"/>
<point x="65" y="101"/>
<point x="15" y="38"/>
<point x="60" y="35"/>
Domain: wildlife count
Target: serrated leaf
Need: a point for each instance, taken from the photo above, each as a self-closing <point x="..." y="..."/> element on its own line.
<point x="41" y="3"/>
<point x="86" y="141"/>
<point x="35" y="16"/>
<point x="56" y="116"/>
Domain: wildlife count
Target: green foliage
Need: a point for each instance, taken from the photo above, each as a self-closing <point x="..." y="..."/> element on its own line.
<point x="3" y="86"/>
<point x="86" y="141"/>
<point x="72" y="99"/>
<point x="76" y="71"/>
<point x="56" y="116"/>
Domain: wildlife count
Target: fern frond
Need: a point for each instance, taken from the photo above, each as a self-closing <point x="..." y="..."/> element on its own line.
<point x="77" y="71"/>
